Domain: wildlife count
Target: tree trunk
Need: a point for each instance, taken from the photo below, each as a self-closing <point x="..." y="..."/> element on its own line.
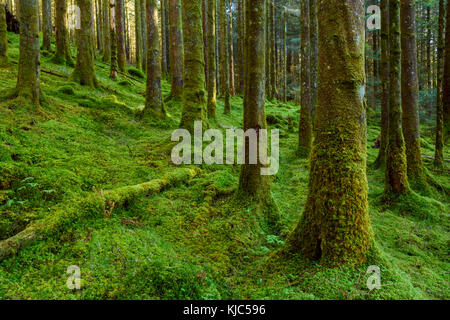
<point x="305" y="125"/>
<point x="84" y="71"/>
<point x="334" y="228"/>
<point x="194" y="97"/>
<point x="3" y="38"/>
<point x="410" y="90"/>
<point x="384" y="74"/>
<point x="205" y="6"/>
<point x="211" y="24"/>
<point x="163" y="37"/>
<point x="224" y="77"/>
<point x="446" y="79"/>
<point x="120" y="40"/>
<point x="28" y="78"/>
<point x="144" y="36"/>
<point x="396" y="168"/>
<point x="231" y="49"/>
<point x="284" y="55"/>
<point x="107" y="32"/>
<point x="62" y="55"/>
<point x="314" y="52"/>
<point x="46" y="25"/>
<point x="273" y="53"/>
<point x="240" y="49"/>
<point x="176" y="49"/>
<point x="138" y="32"/>
<point x="153" y="97"/>
<point x="112" y="16"/>
<point x="439" y="154"/>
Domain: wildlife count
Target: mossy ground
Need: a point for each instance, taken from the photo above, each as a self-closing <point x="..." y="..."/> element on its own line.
<point x="193" y="241"/>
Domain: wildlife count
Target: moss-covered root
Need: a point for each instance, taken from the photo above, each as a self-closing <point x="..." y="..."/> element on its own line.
<point x="102" y="201"/>
<point x="334" y="228"/>
<point x="3" y="39"/>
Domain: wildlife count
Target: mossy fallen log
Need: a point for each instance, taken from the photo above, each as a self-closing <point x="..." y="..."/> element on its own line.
<point x="95" y="203"/>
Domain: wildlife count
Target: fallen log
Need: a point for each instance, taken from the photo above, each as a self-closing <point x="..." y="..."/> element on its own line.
<point x="92" y="205"/>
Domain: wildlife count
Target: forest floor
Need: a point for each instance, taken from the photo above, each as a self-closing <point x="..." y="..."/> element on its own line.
<point x="193" y="240"/>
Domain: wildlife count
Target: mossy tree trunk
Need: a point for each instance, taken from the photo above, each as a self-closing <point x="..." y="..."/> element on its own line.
<point x="194" y="95"/>
<point x="144" y="36"/>
<point x="334" y="228"/>
<point x="153" y="96"/>
<point x="284" y="57"/>
<point x="240" y="49"/>
<point x="231" y="48"/>
<point x="224" y="69"/>
<point x="112" y="27"/>
<point x="84" y="71"/>
<point x="211" y="25"/>
<point x="28" y="78"/>
<point x="439" y="153"/>
<point x="267" y="50"/>
<point x="305" y="124"/>
<point x="205" y="6"/>
<point x="3" y="38"/>
<point x="446" y="78"/>
<point x="410" y="90"/>
<point x="314" y="36"/>
<point x="106" y="32"/>
<point x="46" y="25"/>
<point x="396" y="165"/>
<point x="384" y="74"/>
<point x="273" y="53"/>
<point x="138" y="32"/>
<point x="62" y="55"/>
<point x="120" y="40"/>
<point x="176" y="49"/>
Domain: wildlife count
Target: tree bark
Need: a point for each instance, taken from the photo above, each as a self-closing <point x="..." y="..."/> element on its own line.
<point x="3" y="38"/>
<point x="231" y="48"/>
<point x="120" y="40"/>
<point x="211" y="24"/>
<point x="224" y="69"/>
<point x="112" y="19"/>
<point x="62" y="55"/>
<point x="305" y="125"/>
<point x="138" y="32"/>
<point x="396" y="165"/>
<point x="46" y="24"/>
<point x="334" y="228"/>
<point x="176" y="49"/>
<point x="446" y="79"/>
<point x="194" y="95"/>
<point x="107" y="32"/>
<point x="314" y="52"/>
<point x="439" y="153"/>
<point x="144" y="36"/>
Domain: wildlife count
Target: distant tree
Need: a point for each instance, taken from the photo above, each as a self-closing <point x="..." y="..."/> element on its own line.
<point x="46" y="24"/>
<point x="107" y="32"/>
<point x="446" y="79"/>
<point x="212" y="69"/>
<point x="3" y="38"/>
<point x="176" y="49"/>
<point x="112" y="28"/>
<point x="224" y="68"/>
<point x="62" y="55"/>
<point x="138" y="32"/>
<point x="120" y="29"/>
<point x="439" y="154"/>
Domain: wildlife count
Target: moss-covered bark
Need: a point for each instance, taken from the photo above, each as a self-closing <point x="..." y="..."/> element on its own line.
<point x="194" y="94"/>
<point x="335" y="227"/>
<point x="223" y="67"/>
<point x="138" y="32"/>
<point x="46" y="24"/>
<point x="112" y="27"/>
<point x="120" y="29"/>
<point x="273" y="52"/>
<point x="314" y="37"/>
<point x="252" y="184"/>
<point x="106" y="32"/>
<point x="396" y="165"/>
<point x="28" y="78"/>
<point x="84" y="71"/>
<point x="3" y="38"/>
<point x="446" y="78"/>
<point x="410" y="90"/>
<point x="231" y="49"/>
<point x="176" y="49"/>
<point x="239" y="85"/>
<point x="62" y="54"/>
<point x="144" y="36"/>
<point x="305" y="123"/>
<point x="439" y="151"/>
<point x="153" y="96"/>
<point x="384" y="74"/>
<point x="211" y="25"/>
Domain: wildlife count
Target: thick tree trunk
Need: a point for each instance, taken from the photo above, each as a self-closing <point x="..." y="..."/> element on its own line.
<point x="211" y="24"/>
<point x="120" y="40"/>
<point x="46" y="24"/>
<point x="334" y="227"/>
<point x="138" y="32"/>
<point x="384" y="74"/>
<point x="305" y="124"/>
<point x="410" y="90"/>
<point x="112" y="20"/>
<point x="62" y="54"/>
<point x="28" y="78"/>
<point x="194" y="95"/>
<point x="84" y="71"/>
<point x="176" y="49"/>
<point x="396" y="167"/>
<point x="3" y="38"/>
<point x="224" y="76"/>
<point x="439" y="154"/>
<point x="153" y="97"/>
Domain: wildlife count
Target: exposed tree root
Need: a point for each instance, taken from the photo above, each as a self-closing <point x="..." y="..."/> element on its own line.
<point x="99" y="201"/>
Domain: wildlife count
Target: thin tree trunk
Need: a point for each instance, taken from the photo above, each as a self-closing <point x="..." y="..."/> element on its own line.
<point x="224" y="69"/>
<point x="138" y="32"/>
<point x="3" y="37"/>
<point x="144" y="36"/>
<point x="205" y="6"/>
<point x="314" y="34"/>
<point x="176" y="49"/>
<point x="46" y="25"/>
<point x="112" y="16"/>
<point x="120" y="40"/>
<point x="211" y="24"/>
<point x="439" y="154"/>
<point x="231" y="48"/>
<point x="446" y="78"/>
<point x="107" y="32"/>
